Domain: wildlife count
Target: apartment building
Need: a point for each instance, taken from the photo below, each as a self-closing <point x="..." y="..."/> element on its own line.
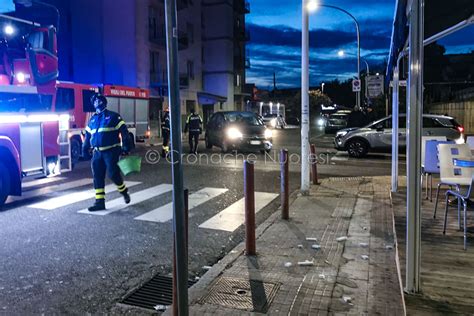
<point x="123" y="42"/>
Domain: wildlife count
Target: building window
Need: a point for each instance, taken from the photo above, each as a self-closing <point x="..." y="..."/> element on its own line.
<point x="190" y="31"/>
<point x="152" y="23"/>
<point x="190" y="66"/>
<point x="154" y="67"/>
<point x="64" y="99"/>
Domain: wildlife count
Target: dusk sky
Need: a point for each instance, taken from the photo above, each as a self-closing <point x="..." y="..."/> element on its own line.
<point x="275" y="40"/>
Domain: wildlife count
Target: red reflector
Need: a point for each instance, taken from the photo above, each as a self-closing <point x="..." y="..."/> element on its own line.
<point x="460" y="129"/>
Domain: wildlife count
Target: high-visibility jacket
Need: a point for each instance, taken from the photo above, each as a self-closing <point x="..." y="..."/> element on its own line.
<point x="104" y="130"/>
<point x="165" y="123"/>
<point x="193" y="123"/>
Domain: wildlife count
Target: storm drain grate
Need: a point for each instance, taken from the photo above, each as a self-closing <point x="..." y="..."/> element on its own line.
<point x="346" y="179"/>
<point x="250" y="295"/>
<point x="157" y="291"/>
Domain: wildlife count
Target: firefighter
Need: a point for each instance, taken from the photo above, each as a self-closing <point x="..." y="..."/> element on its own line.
<point x="165" y="132"/>
<point x="194" y="127"/>
<point x="103" y="138"/>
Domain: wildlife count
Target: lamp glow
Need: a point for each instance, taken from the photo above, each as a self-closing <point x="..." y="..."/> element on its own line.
<point x="340" y="53"/>
<point x="20" y="77"/>
<point x="9" y="30"/>
<point x="268" y="133"/>
<point x="312" y="5"/>
<point x="234" y="133"/>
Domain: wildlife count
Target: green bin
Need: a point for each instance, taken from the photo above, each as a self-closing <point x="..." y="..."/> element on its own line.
<point x="130" y="165"/>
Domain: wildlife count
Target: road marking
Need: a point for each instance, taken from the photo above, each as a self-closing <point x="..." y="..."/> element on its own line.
<point x="68" y="199"/>
<point x="165" y="213"/>
<point x="50" y="189"/>
<point x="232" y="217"/>
<point x="138" y="197"/>
<point x="29" y="184"/>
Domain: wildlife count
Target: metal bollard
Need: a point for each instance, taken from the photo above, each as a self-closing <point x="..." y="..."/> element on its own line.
<point x="284" y="188"/>
<point x="186" y="214"/>
<point x="249" y="191"/>
<point x="314" y="166"/>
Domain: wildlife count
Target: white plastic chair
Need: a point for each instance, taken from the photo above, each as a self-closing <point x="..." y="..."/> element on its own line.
<point x="451" y="175"/>
<point x="424" y="139"/>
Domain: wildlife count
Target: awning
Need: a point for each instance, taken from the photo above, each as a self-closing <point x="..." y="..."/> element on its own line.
<point x="439" y="16"/>
<point x="209" y="98"/>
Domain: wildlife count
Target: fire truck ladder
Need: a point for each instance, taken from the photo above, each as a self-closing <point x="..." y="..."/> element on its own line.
<point x="65" y="158"/>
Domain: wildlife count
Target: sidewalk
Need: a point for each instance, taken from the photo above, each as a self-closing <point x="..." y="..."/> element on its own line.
<point x="356" y="276"/>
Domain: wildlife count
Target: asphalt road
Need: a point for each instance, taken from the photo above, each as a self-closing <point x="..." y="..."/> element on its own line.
<point x="56" y="259"/>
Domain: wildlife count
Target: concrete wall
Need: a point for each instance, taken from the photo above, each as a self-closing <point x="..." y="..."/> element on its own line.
<point x="463" y="112"/>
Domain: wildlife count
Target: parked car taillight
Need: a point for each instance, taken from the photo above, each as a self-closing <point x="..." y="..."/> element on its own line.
<point x="460" y="129"/>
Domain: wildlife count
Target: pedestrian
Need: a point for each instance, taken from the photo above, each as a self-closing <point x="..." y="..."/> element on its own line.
<point x="103" y="137"/>
<point x="165" y="132"/>
<point x="356" y="118"/>
<point x="194" y="127"/>
<point x="370" y="116"/>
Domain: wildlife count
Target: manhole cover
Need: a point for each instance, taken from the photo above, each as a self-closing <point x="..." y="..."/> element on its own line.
<point x="157" y="291"/>
<point x="251" y="295"/>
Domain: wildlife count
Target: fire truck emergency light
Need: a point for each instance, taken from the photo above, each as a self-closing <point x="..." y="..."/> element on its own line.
<point x="33" y="118"/>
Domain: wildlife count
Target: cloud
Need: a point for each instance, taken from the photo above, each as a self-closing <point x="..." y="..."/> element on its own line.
<point x="320" y="38"/>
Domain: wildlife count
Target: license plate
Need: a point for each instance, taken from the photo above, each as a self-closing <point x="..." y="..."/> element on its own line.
<point x="255" y="142"/>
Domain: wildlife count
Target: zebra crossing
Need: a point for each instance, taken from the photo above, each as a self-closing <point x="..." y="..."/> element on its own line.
<point x="59" y="194"/>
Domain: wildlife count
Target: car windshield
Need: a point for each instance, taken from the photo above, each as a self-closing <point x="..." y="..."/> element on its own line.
<point x="338" y="117"/>
<point x="270" y="115"/>
<point x="243" y="117"/>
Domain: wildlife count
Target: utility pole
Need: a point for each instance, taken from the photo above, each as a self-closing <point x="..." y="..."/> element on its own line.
<point x="305" y="100"/>
<point x="179" y="221"/>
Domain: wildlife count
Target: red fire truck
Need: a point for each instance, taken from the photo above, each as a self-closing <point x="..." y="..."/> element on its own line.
<point x="31" y="140"/>
<point x="74" y="99"/>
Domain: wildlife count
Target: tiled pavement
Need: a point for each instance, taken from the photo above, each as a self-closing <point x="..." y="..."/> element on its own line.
<point x="357" y="276"/>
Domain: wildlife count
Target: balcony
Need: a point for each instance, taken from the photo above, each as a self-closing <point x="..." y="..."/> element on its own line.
<point x="242" y="6"/>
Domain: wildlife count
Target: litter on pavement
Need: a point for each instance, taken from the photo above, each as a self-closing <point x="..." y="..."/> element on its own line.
<point x="365" y="257"/>
<point x="312" y="239"/>
<point x="317" y="247"/>
<point x="363" y="244"/>
<point x="347" y="299"/>
<point x="206" y="267"/>
<point x="160" y="308"/>
<point x="288" y="264"/>
<point x="322" y="276"/>
<point x="343" y="238"/>
<point x="300" y="246"/>
<point x="306" y="263"/>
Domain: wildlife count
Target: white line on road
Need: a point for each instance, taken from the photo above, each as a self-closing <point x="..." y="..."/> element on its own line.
<point x="50" y="189"/>
<point x="68" y="199"/>
<point x="165" y="213"/>
<point x="138" y="197"/>
<point x="232" y="217"/>
<point x="33" y="183"/>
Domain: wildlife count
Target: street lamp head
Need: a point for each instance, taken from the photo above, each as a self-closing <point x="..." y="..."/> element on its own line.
<point x="340" y="53"/>
<point x="312" y="5"/>
<point x="8" y="30"/>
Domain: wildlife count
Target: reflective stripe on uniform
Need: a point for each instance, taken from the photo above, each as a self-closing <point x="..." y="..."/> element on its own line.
<point x="88" y="130"/>
<point x="108" y="147"/>
<point x="122" y="187"/>
<point x="119" y="125"/>
<point x="100" y="196"/>
<point x="97" y="191"/>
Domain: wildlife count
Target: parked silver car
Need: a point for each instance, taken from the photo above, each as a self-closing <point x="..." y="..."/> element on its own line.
<point x="377" y="136"/>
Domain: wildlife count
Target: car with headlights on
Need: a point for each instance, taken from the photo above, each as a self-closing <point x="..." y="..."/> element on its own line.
<point x="335" y="122"/>
<point x="274" y="121"/>
<point x="377" y="136"/>
<point x="234" y="130"/>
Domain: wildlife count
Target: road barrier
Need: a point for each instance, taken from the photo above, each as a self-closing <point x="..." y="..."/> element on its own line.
<point x="314" y="165"/>
<point x="249" y="191"/>
<point x="186" y="218"/>
<point x="284" y="187"/>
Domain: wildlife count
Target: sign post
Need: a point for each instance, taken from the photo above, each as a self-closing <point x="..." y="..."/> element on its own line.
<point x="356" y="85"/>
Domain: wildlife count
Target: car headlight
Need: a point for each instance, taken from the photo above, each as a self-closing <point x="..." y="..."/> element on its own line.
<point x="234" y="133"/>
<point x="320" y="122"/>
<point x="341" y="134"/>
<point x="268" y="133"/>
<point x="273" y="122"/>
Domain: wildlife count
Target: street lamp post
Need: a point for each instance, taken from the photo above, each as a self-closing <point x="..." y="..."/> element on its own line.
<point x="322" y="87"/>
<point x="307" y="6"/>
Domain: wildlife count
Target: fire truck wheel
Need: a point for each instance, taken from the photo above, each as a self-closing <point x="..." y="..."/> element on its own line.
<point x="75" y="151"/>
<point x="4" y="183"/>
